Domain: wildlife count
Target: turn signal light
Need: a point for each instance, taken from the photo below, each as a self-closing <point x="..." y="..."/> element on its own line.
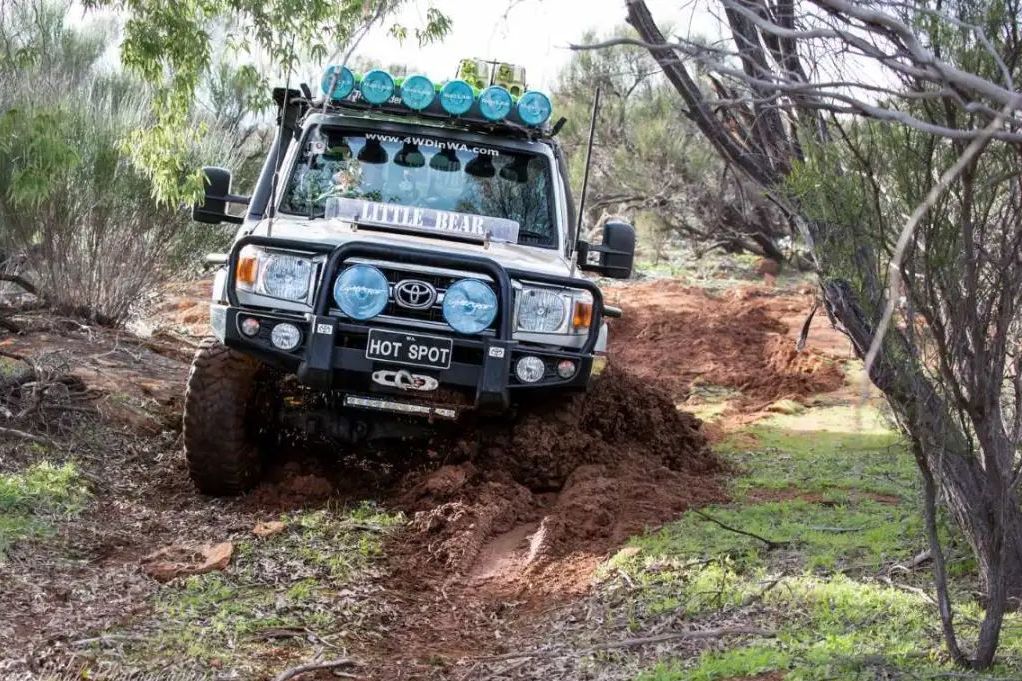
<point x="583" y="315"/>
<point x="248" y="268"/>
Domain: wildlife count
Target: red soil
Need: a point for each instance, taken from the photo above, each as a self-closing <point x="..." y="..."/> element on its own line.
<point x="526" y="515"/>
<point x="682" y="337"/>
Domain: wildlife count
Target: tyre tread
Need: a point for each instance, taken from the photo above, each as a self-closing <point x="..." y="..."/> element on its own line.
<point x="223" y="458"/>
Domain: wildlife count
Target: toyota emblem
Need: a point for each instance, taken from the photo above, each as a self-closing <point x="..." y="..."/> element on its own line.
<point x="414" y="294"/>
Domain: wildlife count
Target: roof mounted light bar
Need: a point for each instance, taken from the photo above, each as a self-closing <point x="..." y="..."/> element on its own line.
<point x="457" y="98"/>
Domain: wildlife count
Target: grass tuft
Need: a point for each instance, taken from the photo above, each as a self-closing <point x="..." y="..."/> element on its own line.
<point x="31" y="501"/>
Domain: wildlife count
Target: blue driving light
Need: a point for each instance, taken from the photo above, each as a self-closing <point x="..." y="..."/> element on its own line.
<point x="361" y="292"/>
<point x="377" y="86"/>
<point x="456" y="97"/>
<point x="495" y="103"/>
<point x="534" y="108"/>
<point x="469" y="306"/>
<point x="417" y="92"/>
<point x="342" y="79"/>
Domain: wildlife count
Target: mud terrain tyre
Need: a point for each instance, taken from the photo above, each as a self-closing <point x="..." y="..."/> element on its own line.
<point x="221" y="416"/>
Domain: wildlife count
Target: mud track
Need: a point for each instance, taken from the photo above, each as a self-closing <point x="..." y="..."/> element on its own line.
<point x="519" y="520"/>
<point x="743" y="339"/>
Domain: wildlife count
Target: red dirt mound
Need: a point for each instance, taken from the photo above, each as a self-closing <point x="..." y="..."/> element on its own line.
<point x="527" y="513"/>
<point x="590" y="471"/>
<point x="684" y="336"/>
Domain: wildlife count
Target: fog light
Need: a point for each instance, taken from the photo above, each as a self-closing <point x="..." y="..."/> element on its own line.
<point x="285" y="336"/>
<point x="565" y="368"/>
<point x="250" y="326"/>
<point x="530" y="369"/>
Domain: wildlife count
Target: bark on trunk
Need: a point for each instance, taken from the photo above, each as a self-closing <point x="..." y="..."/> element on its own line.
<point x="948" y="454"/>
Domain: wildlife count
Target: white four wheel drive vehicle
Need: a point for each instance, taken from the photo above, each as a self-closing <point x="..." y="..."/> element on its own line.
<point x="409" y="254"/>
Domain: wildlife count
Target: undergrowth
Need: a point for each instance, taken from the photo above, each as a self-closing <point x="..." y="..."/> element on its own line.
<point x="831" y="516"/>
<point x="33" y="500"/>
<point x="280" y="596"/>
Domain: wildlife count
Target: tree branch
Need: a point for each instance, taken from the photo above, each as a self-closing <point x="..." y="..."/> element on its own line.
<point x="770" y="543"/>
<point x="20" y="281"/>
<point x="947" y="177"/>
<point x="314" y="666"/>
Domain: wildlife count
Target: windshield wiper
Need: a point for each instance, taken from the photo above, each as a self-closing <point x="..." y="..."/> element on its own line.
<point x="532" y="234"/>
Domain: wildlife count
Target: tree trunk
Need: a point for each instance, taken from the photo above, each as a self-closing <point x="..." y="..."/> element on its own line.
<point x="947" y="452"/>
<point x="921" y="408"/>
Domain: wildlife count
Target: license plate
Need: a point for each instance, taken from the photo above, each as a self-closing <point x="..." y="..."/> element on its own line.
<point x="405" y="348"/>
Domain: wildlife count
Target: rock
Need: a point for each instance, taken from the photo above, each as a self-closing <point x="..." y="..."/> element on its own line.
<point x="176" y="560"/>
<point x="268" y="529"/>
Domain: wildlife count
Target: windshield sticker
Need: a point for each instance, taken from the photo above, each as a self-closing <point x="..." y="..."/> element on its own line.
<point x="476" y="227"/>
<point x="433" y="143"/>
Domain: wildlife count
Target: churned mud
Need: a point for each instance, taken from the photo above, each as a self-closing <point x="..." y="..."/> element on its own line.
<point x="521" y="518"/>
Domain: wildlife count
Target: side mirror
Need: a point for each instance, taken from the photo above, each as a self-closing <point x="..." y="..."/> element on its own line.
<point x="615" y="256"/>
<point x="213" y="208"/>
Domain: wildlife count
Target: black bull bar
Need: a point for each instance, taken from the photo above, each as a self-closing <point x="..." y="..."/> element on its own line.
<point x="317" y="364"/>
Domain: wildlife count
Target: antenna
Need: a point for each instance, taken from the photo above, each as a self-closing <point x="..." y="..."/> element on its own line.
<point x="281" y="117"/>
<point x="585" y="173"/>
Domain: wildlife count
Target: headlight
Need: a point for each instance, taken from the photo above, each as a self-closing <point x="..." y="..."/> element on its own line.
<point x="543" y="310"/>
<point x="274" y="274"/>
<point x="287" y="276"/>
<point x="469" y="306"/>
<point x="361" y="292"/>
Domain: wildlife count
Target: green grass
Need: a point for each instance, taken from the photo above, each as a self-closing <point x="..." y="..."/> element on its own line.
<point x="836" y="489"/>
<point x="748" y="661"/>
<point x="301" y="581"/>
<point x="823" y="450"/>
<point x="33" y="500"/>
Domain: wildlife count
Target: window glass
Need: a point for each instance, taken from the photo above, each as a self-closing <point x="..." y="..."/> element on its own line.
<point x="424" y="172"/>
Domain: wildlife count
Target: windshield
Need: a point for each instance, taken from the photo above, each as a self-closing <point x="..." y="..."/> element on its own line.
<point x="420" y="171"/>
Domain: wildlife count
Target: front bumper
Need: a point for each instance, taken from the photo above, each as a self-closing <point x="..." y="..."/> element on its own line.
<point x="332" y="350"/>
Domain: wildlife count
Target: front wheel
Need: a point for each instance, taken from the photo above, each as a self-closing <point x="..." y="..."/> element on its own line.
<point x="224" y="407"/>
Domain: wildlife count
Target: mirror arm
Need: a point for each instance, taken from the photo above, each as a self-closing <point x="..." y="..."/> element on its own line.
<point x="607" y="250"/>
<point x="231" y="198"/>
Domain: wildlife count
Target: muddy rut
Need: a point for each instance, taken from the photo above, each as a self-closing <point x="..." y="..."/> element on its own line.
<point x="519" y="520"/>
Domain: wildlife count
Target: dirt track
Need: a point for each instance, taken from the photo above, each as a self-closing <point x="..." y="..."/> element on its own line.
<point x="503" y="525"/>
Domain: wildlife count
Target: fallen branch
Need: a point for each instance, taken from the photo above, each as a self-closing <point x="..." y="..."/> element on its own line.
<point x="22" y="435"/>
<point x="503" y="672"/>
<point x="18" y="280"/>
<point x="106" y="638"/>
<point x="314" y="666"/>
<point x="918" y="560"/>
<point x="770" y="543"/>
<point x="836" y="530"/>
<point x="8" y="325"/>
<point x="364" y="527"/>
<point x="13" y="355"/>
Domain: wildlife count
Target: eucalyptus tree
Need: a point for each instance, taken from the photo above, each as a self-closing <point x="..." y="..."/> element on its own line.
<point x="919" y="200"/>
<point x="95" y="160"/>
<point x="169" y="46"/>
<point x="77" y="218"/>
<point x="649" y="159"/>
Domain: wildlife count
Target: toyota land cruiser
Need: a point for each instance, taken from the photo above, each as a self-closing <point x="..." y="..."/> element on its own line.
<point x="409" y="253"/>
